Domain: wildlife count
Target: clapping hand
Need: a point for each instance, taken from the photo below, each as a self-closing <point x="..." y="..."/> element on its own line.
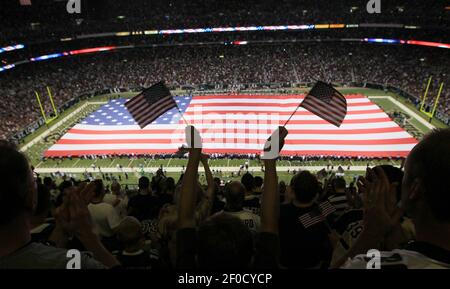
<point x="381" y="214"/>
<point x="73" y="215"/>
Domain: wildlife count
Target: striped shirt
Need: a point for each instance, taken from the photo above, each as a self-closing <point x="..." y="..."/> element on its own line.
<point x="339" y="201"/>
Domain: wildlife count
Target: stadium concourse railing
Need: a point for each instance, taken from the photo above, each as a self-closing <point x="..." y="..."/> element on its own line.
<point x="252" y="88"/>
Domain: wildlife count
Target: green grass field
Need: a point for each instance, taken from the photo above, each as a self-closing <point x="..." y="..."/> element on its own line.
<point x="35" y="144"/>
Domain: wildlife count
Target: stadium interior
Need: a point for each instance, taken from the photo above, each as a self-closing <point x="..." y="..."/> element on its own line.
<point x="239" y="75"/>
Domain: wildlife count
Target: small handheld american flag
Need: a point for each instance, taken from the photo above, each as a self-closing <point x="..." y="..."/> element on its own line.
<point x="317" y="215"/>
<point x="150" y="104"/>
<point x="326" y="102"/>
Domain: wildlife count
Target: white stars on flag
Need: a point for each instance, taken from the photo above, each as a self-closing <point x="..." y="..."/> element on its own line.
<point x="114" y="113"/>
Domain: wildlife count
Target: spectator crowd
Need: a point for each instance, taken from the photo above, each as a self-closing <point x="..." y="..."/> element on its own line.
<point x="314" y="221"/>
<point x="405" y="67"/>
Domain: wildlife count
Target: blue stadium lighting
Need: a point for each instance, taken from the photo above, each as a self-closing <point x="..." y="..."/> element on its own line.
<point x="300" y="27"/>
<point x="275" y="28"/>
<point x="9" y="66"/>
<point x="11" y="48"/>
<point x="251" y="28"/>
<point x="224" y="29"/>
<point x="176" y="31"/>
<point x="198" y="30"/>
<point x="45" y="57"/>
<point x="382" y="40"/>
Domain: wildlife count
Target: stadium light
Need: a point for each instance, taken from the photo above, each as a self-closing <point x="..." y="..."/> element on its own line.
<point x="11" y="48"/>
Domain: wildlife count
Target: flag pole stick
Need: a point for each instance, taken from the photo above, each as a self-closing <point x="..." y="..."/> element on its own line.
<point x="182" y="116"/>
<point x="297" y="107"/>
<point x="291" y="115"/>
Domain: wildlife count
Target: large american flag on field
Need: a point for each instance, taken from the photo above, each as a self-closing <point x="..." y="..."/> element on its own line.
<point x="238" y="124"/>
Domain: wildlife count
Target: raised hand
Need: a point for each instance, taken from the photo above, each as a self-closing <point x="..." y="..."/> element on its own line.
<point x="73" y="219"/>
<point x="381" y="214"/>
<point x="381" y="220"/>
<point x="274" y="144"/>
<point x="86" y="191"/>
<point x="73" y="215"/>
<point x="193" y="138"/>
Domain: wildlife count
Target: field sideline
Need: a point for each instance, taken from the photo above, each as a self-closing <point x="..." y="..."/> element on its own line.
<point x="38" y="142"/>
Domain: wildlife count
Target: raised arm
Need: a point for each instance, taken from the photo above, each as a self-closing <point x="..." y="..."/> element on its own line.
<point x="186" y="209"/>
<point x="209" y="177"/>
<point x="270" y="199"/>
<point x="271" y="195"/>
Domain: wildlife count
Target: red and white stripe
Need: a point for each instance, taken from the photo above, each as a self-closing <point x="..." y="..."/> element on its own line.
<point x="241" y="124"/>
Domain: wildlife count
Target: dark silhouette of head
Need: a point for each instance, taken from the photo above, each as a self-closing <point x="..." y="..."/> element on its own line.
<point x="248" y="181"/>
<point x="99" y="189"/>
<point x="18" y="190"/>
<point x="426" y="184"/>
<point x="224" y="242"/>
<point x="258" y="182"/>
<point x="234" y="195"/>
<point x="339" y="185"/>
<point x="306" y="187"/>
<point x="144" y="183"/>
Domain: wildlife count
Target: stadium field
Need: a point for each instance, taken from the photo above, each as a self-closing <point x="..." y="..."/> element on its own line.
<point x="43" y="138"/>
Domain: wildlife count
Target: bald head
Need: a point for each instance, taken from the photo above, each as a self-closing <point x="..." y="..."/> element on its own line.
<point x="234" y="195"/>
